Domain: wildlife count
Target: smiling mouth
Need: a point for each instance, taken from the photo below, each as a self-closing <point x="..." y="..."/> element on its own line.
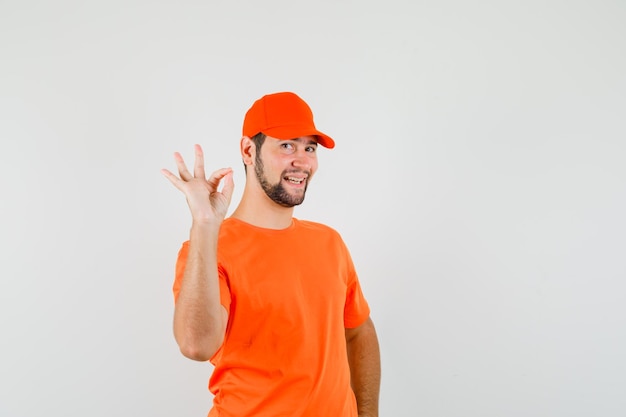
<point x="295" y="180"/>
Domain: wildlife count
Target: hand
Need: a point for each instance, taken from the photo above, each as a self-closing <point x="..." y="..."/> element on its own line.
<point x="204" y="200"/>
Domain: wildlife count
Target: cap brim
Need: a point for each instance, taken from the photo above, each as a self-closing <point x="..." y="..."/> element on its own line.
<point x="285" y="133"/>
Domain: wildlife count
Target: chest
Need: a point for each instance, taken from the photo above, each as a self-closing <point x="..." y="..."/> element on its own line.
<point x="287" y="283"/>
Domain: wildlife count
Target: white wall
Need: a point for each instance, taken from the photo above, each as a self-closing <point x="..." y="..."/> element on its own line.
<point x="478" y="179"/>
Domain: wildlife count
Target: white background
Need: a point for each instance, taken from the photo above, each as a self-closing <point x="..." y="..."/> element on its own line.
<point x="478" y="179"/>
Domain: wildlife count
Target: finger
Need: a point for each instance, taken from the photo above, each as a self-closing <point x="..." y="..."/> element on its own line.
<point x="229" y="186"/>
<point x="216" y="177"/>
<point x="173" y="179"/>
<point x="182" y="168"/>
<point x="198" y="168"/>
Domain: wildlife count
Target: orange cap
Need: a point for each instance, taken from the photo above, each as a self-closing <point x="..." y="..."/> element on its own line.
<point x="283" y="116"/>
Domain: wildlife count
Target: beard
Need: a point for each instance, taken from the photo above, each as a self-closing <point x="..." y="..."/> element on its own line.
<point x="276" y="192"/>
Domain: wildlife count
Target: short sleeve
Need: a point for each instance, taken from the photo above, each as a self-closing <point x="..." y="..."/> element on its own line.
<point x="356" y="309"/>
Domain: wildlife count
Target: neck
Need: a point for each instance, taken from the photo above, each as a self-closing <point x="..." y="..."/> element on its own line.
<point x="257" y="209"/>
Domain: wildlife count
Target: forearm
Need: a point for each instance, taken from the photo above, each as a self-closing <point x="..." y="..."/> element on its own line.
<point x="199" y="318"/>
<point x="364" y="360"/>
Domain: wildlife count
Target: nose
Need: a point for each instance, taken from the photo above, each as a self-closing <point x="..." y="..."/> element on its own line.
<point x="302" y="160"/>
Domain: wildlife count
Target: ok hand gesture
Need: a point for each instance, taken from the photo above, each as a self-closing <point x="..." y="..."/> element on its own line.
<point x="206" y="203"/>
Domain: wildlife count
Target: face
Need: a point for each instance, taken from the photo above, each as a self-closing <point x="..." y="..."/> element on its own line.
<point x="285" y="167"/>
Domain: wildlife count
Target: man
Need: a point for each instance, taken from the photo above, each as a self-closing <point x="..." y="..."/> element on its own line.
<point x="272" y="301"/>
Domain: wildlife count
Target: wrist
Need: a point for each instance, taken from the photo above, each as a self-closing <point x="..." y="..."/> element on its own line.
<point x="206" y="226"/>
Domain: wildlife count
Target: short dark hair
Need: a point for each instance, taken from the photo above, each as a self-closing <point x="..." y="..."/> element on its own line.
<point x="258" y="140"/>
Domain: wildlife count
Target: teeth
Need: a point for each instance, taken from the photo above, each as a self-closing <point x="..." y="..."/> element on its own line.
<point x="295" y="180"/>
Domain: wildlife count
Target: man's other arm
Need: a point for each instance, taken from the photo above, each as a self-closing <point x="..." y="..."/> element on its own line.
<point x="364" y="360"/>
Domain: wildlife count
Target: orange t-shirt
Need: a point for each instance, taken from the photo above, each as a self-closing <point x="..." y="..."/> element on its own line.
<point x="290" y="295"/>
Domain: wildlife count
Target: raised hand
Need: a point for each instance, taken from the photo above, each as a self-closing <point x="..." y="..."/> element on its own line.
<point x="206" y="203"/>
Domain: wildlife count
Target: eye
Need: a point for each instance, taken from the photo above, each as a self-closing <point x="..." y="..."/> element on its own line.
<point x="287" y="145"/>
<point x="311" y="149"/>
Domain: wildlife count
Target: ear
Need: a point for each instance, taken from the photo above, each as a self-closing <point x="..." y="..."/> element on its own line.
<point x="248" y="150"/>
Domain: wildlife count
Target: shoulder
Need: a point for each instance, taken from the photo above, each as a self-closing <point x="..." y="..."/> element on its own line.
<point x="314" y="226"/>
<point x="318" y="231"/>
<point x="326" y="241"/>
<point x="229" y="227"/>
